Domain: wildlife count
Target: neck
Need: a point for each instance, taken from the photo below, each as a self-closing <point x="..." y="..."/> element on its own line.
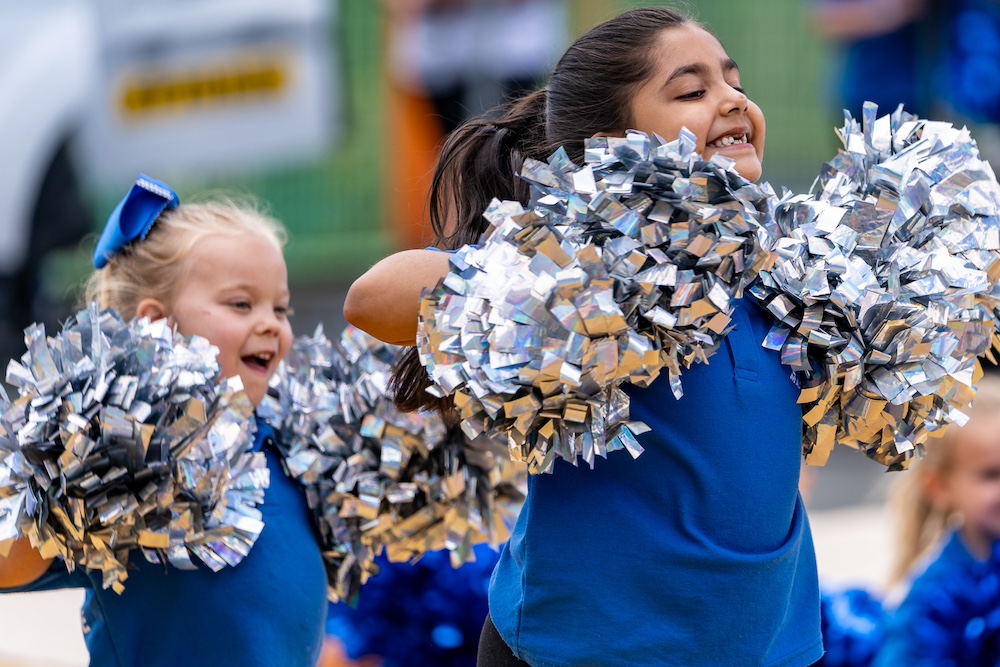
<point x="978" y="544"/>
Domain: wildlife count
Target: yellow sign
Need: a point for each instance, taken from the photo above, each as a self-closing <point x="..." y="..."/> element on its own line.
<point x="156" y="93"/>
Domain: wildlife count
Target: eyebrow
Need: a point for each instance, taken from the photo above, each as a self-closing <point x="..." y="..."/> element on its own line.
<point x="246" y="287"/>
<point x="728" y="65"/>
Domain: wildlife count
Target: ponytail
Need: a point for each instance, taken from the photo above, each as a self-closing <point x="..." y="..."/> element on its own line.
<point x="480" y="161"/>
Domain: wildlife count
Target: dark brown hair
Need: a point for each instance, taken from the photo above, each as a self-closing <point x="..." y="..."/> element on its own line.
<point x="590" y="91"/>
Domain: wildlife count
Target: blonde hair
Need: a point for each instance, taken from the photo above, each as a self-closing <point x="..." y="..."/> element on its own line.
<point x="921" y="525"/>
<point x="150" y="268"/>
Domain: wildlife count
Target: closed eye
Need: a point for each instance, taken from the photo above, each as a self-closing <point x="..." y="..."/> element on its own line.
<point x="989" y="474"/>
<point x="698" y="94"/>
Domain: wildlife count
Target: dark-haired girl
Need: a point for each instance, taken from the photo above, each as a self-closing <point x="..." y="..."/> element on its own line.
<point x="699" y="553"/>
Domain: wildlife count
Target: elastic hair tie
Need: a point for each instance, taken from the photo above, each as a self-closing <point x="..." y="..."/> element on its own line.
<point x="133" y="217"/>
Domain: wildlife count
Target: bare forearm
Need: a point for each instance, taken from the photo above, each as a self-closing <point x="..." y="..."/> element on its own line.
<point x="385" y="300"/>
<point x="22" y="565"/>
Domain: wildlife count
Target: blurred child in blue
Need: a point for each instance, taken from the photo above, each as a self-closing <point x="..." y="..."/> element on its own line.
<point x="949" y="521"/>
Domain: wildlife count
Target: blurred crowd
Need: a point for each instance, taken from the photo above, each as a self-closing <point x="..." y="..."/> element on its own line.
<point x="938" y="58"/>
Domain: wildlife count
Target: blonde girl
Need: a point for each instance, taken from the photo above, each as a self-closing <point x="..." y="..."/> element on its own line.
<point x="214" y="270"/>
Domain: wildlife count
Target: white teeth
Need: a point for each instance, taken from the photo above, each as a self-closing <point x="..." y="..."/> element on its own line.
<point x="728" y="141"/>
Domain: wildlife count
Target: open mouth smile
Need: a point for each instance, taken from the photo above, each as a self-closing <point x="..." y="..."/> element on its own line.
<point x="261" y="361"/>
<point x="728" y="140"/>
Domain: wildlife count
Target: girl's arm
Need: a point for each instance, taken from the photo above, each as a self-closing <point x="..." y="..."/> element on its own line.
<point x="22" y="565"/>
<point x="385" y="300"/>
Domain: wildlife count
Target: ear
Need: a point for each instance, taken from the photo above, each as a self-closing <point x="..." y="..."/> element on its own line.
<point x="936" y="489"/>
<point x="154" y="309"/>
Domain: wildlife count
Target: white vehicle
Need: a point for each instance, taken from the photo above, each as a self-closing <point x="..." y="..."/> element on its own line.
<point x="48" y="61"/>
<point x="92" y="92"/>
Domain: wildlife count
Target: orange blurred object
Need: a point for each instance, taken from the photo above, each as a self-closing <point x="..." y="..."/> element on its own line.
<point x="333" y="655"/>
<point x="415" y="132"/>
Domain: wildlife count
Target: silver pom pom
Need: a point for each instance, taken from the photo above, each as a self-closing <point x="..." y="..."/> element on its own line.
<point x="378" y="478"/>
<point x="123" y="438"/>
<point x="885" y="287"/>
<point x="620" y="269"/>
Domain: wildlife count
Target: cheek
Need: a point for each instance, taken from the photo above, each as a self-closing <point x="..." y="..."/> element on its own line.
<point x="651" y="115"/>
<point x="228" y="363"/>
<point x="229" y="344"/>
<point x="756" y="117"/>
<point x="285" y="340"/>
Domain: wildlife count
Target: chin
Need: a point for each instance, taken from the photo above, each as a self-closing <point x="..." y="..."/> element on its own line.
<point x="255" y="394"/>
<point x="751" y="172"/>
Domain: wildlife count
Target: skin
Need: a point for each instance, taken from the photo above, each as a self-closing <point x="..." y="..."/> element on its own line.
<point x="969" y="488"/>
<point x="385" y="300"/>
<point x="694" y="84"/>
<point x="232" y="291"/>
<point x="22" y="565"/>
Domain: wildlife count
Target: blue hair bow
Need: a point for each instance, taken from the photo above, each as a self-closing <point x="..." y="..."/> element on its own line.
<point x="133" y="217"/>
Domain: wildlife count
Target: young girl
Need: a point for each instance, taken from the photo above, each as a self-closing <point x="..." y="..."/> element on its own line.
<point x="949" y="511"/>
<point x="699" y="553"/>
<point x="216" y="271"/>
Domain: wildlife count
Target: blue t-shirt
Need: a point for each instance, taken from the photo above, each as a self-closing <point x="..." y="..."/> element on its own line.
<point x="905" y="642"/>
<point x="268" y="610"/>
<point x="698" y="553"/>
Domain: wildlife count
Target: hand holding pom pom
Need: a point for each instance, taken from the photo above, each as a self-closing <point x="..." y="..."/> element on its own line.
<point x="123" y="438"/>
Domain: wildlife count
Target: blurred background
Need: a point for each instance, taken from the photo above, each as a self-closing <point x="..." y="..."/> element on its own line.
<point x="330" y="111"/>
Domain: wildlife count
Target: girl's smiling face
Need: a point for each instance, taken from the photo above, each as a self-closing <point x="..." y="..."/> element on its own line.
<point x="234" y="292"/>
<point x="696" y="85"/>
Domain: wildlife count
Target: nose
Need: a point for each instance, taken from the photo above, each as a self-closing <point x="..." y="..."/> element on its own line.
<point x="267" y="323"/>
<point x="734" y="101"/>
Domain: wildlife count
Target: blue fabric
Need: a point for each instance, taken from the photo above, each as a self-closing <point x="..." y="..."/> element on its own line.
<point x="269" y="610"/>
<point x="883" y="69"/>
<point x="948" y="618"/>
<point x="423" y="614"/>
<point x="699" y="553"/>
<point x="853" y="622"/>
<point x="971" y="72"/>
<point x="133" y="217"/>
